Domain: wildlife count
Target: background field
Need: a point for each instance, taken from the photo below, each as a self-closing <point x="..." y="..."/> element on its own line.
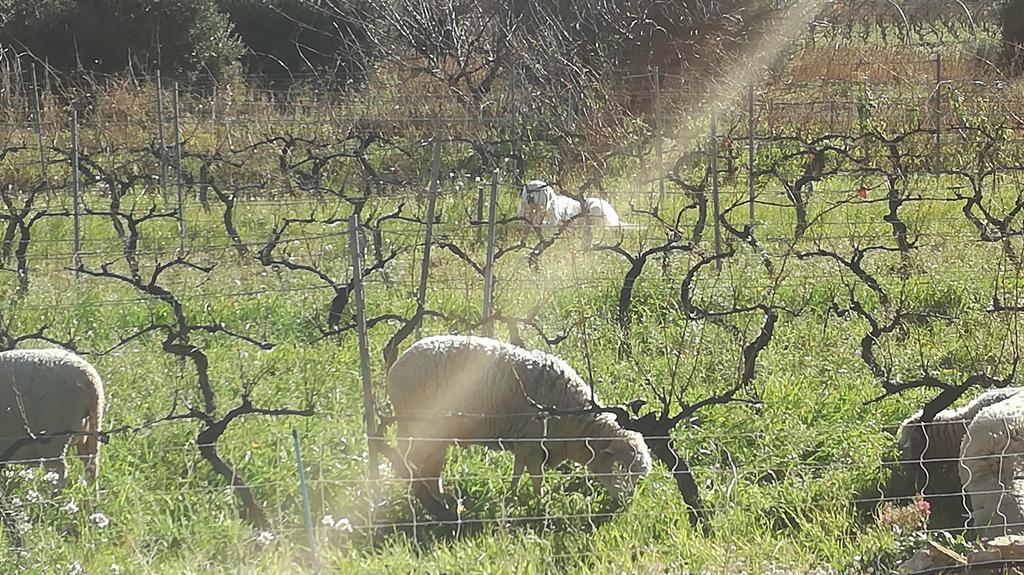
<point x="884" y="251"/>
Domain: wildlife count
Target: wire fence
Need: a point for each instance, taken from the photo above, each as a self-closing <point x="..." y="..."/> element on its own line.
<point x="987" y="466"/>
<point x="840" y="210"/>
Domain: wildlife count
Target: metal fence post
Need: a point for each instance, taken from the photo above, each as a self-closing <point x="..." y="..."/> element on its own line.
<point x="160" y="134"/>
<point x="751" y="173"/>
<point x="479" y="210"/>
<point x="489" y="266"/>
<point x="938" y="113"/>
<point x="43" y="169"/>
<point x="305" y="504"/>
<point x="369" y="409"/>
<point x="76" y="222"/>
<point x="177" y="173"/>
<point x="659" y="127"/>
<point x="47" y="88"/>
<point x="428" y="234"/>
<point x="716" y="203"/>
<point x="5" y="84"/>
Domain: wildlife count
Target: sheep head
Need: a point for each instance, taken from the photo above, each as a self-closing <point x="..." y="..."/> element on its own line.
<point x="929" y="450"/>
<point x="620" y="463"/>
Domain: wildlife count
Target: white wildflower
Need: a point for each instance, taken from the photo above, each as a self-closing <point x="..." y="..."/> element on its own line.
<point x="115" y="568"/>
<point x="51" y="477"/>
<point x="340" y="523"/>
<point x="27" y="473"/>
<point x="32" y="495"/>
<point x="101" y="520"/>
<point x="75" y="568"/>
<point x="70" y="507"/>
<point x="265" y="538"/>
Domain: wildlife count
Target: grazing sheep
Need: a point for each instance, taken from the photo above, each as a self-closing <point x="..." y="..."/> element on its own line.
<point x="475" y="390"/>
<point x="939" y="440"/>
<point x="992" y="468"/>
<point x="50" y="392"/>
<point x="540" y="204"/>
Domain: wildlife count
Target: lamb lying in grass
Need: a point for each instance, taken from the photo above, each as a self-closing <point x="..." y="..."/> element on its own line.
<point x="50" y="399"/>
<point x="979" y="446"/>
<point x="481" y="391"/>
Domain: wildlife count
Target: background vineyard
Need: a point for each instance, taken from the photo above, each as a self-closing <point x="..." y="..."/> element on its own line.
<point x="846" y="247"/>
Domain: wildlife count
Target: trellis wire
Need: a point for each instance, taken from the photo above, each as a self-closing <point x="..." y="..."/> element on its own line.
<point x="353" y="242"/>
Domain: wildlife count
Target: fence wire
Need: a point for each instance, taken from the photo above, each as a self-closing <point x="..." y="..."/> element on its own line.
<point x="895" y="217"/>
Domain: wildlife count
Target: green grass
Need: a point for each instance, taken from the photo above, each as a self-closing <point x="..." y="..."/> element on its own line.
<point x="790" y="480"/>
<point x="823" y="446"/>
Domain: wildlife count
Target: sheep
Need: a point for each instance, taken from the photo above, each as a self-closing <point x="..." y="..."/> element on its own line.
<point x="922" y="445"/>
<point x="55" y="393"/>
<point x="476" y="390"/>
<point x="992" y="468"/>
<point x="539" y="204"/>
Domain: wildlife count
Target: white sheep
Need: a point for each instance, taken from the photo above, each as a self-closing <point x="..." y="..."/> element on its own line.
<point x="475" y="390"/>
<point x="50" y="399"/>
<point x="992" y="467"/>
<point x="540" y="204"/>
<point x="939" y="440"/>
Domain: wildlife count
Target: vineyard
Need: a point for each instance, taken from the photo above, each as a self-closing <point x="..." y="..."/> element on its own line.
<point x="811" y="258"/>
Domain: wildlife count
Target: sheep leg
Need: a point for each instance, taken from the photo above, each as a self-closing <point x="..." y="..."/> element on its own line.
<point x="517" y="470"/>
<point x="588" y="231"/>
<point x="533" y="462"/>
<point x="91" y="458"/>
<point x="88" y="449"/>
<point x="404" y="447"/>
<point x="59" y="466"/>
<point x="427" y="459"/>
<point x="535" y="469"/>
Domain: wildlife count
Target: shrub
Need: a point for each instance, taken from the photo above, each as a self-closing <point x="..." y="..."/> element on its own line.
<point x="178" y="36"/>
<point x="1011" y="18"/>
<point x="287" y="38"/>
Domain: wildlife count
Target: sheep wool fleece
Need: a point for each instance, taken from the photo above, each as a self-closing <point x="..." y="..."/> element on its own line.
<point x="50" y="391"/>
<point x="940" y="438"/>
<point x="992" y="468"/>
<point x="473" y="388"/>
